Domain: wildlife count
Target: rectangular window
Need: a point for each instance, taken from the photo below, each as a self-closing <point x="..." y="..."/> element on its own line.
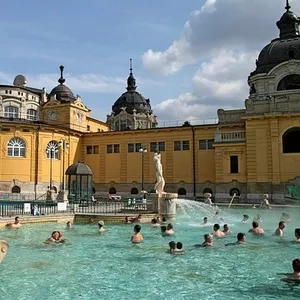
<point x="185" y="145"/>
<point x="157" y="146"/>
<point x="138" y="146"/>
<point x="88" y="128"/>
<point x="177" y="145"/>
<point x="113" y="148"/>
<point x="210" y="144"/>
<point x="234" y="164"/>
<point x="89" y="149"/>
<point x="202" y="145"/>
<point x="96" y="149"/>
<point x="130" y="148"/>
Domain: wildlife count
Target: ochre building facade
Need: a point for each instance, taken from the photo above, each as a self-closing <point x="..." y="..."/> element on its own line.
<point x="248" y="151"/>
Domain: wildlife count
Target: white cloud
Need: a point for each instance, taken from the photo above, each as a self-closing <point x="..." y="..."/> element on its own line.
<point x="227" y="35"/>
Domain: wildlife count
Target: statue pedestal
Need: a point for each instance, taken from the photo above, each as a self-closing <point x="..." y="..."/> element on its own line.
<point x="164" y="204"/>
<point x="62" y="196"/>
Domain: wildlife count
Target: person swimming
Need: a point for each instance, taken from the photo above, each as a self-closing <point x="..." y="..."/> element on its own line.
<point x="258" y="219"/>
<point x="256" y="229"/>
<point x="295" y="276"/>
<point x="285" y="217"/>
<point x="101" y="226"/>
<point x="137" y="236"/>
<point x="245" y="218"/>
<point x="172" y="246"/>
<point x="69" y="225"/>
<point x="163" y="220"/>
<point x="208" y="241"/>
<point x="241" y="239"/>
<point x="3" y="249"/>
<point x="279" y="230"/>
<point x="163" y="230"/>
<point x="297" y="235"/>
<point x="205" y="221"/>
<point x="170" y="229"/>
<point x="56" y="237"/>
<point x="154" y="223"/>
<point x="179" y="248"/>
<point x="217" y="232"/>
<point x="226" y="229"/>
<point x="16" y="224"/>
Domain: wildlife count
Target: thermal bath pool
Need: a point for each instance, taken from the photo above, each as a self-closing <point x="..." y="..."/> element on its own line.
<point x="93" y="266"/>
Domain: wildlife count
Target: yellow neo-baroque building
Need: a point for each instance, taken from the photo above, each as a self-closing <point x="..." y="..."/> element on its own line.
<point x="249" y="151"/>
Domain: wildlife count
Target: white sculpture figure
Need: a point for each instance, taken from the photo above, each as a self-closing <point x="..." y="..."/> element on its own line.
<point x="265" y="202"/>
<point x="207" y="199"/>
<point x="160" y="181"/>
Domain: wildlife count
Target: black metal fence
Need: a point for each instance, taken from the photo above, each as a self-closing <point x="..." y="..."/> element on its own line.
<point x="105" y="207"/>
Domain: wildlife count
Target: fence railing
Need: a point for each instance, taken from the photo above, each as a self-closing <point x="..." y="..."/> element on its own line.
<point x="21" y="197"/>
<point x="105" y="207"/>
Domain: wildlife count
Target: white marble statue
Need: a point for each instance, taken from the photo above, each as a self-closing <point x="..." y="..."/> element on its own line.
<point x="160" y="181"/>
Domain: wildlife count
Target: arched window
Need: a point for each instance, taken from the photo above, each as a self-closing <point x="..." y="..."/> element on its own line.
<point x="181" y="192"/>
<point x="11" y="112"/>
<point x="290" y="140"/>
<point x="290" y="82"/>
<point x="16" y="190"/>
<point x="31" y="114"/>
<point x="134" y="191"/>
<point x="207" y="190"/>
<point x="234" y="191"/>
<point x="16" y="147"/>
<point x="112" y="191"/>
<point x="52" y="150"/>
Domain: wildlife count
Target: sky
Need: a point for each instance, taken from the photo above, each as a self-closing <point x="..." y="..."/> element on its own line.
<point x="190" y="57"/>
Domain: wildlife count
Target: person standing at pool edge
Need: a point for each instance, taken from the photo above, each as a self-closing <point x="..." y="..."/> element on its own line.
<point x="137" y="237"/>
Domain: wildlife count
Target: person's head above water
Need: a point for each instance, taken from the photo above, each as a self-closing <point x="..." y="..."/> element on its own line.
<point x="297" y="232"/>
<point x="296" y="265"/>
<point x="17" y="220"/>
<point x="154" y="221"/>
<point x="281" y="225"/>
<point x="172" y="245"/>
<point x="225" y="227"/>
<point x="216" y="227"/>
<point x="163" y="229"/>
<point x="241" y="237"/>
<point x="246" y="217"/>
<point x="137" y="228"/>
<point x="207" y="238"/>
<point x="205" y="219"/>
<point x="164" y="219"/>
<point x="170" y="226"/>
<point x="255" y="224"/>
<point x="179" y="245"/>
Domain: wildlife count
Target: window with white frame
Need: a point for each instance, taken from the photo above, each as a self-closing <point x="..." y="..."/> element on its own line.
<point x="11" y="112"/>
<point x="52" y="150"/>
<point x="31" y="114"/>
<point x="16" y="147"/>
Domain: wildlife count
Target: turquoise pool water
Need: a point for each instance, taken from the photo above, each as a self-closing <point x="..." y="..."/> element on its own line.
<point x="94" y="266"/>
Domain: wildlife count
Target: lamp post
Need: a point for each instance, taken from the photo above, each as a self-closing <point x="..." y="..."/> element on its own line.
<point x="143" y="150"/>
<point x="51" y="151"/>
<point x="64" y="145"/>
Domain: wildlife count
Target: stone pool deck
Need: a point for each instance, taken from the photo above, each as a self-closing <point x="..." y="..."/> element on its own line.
<point x="88" y="218"/>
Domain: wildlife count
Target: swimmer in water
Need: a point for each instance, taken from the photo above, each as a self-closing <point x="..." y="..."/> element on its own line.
<point x="179" y="248"/>
<point x="295" y="276"/>
<point x="297" y="235"/>
<point x="172" y="246"/>
<point x="285" y="217"/>
<point x="101" y="226"/>
<point x="163" y="220"/>
<point x="208" y="241"/>
<point x="3" y="249"/>
<point x="56" y="237"/>
<point x="69" y="225"/>
<point x="279" y="230"/>
<point x="256" y="229"/>
<point x="217" y="232"/>
<point x="241" y="240"/>
<point x="258" y="219"/>
<point x="16" y="224"/>
<point x="226" y="229"/>
<point x="217" y="215"/>
<point x="245" y="218"/>
<point x="137" y="236"/>
<point x="154" y="223"/>
<point x="205" y="221"/>
<point x="170" y="229"/>
<point x="163" y="230"/>
<point x="127" y="220"/>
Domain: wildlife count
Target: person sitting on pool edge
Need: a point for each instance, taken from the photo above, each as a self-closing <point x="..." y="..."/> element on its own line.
<point x="295" y="276"/>
<point x="256" y="229"/>
<point x="101" y="226"/>
<point x="241" y="240"/>
<point x="226" y="229"/>
<point x="56" y="237"/>
<point x="137" y="236"/>
<point x="217" y="232"/>
<point x="16" y="224"/>
<point x="279" y="230"/>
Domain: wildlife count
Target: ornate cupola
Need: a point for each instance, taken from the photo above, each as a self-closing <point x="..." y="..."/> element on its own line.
<point x="61" y="91"/>
<point x="131" y="110"/>
<point x="289" y="23"/>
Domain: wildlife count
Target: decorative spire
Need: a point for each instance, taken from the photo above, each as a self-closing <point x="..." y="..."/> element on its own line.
<point x="131" y="80"/>
<point x="289" y="23"/>
<point x="61" y="80"/>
